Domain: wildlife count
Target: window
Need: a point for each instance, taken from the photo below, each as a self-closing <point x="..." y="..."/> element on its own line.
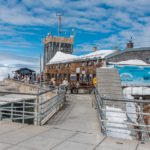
<point x="69" y="65"/>
<point x="58" y="76"/>
<point x="96" y="62"/>
<point x="90" y="78"/>
<point x="90" y="63"/>
<point x="82" y="64"/>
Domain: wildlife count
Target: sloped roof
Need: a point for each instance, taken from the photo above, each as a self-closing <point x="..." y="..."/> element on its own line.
<point x="24" y="69"/>
<point x="99" y="53"/>
<point x="61" y="57"/>
<point x="131" y="62"/>
<point x="127" y="50"/>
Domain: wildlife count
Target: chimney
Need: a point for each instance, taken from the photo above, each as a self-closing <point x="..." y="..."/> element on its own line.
<point x="116" y="48"/>
<point x="95" y="48"/>
<point x="130" y="44"/>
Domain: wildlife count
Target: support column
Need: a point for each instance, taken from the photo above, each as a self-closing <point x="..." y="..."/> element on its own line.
<point x="23" y="111"/>
<point x="12" y="107"/>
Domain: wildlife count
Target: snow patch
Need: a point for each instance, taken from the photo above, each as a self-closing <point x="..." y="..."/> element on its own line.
<point x="119" y="118"/>
<point x="129" y="91"/>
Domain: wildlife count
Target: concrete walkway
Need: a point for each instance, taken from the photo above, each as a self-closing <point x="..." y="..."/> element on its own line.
<point x="75" y="127"/>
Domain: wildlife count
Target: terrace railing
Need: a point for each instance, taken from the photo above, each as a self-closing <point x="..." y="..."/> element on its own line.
<point x="124" y="118"/>
<point x="36" y="110"/>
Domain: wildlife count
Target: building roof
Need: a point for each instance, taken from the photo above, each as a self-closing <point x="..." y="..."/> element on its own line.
<point x="127" y="50"/>
<point x="61" y="57"/>
<point x="24" y="69"/>
<point x="97" y="54"/>
<point x="135" y="62"/>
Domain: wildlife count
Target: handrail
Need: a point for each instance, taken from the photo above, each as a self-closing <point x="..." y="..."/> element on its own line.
<point x="119" y="115"/>
<point x="35" y="110"/>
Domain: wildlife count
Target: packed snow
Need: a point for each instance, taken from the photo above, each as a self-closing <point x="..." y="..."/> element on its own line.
<point x="120" y="118"/>
<point x="130" y="106"/>
<point x="129" y="91"/>
<point x="131" y="62"/>
<point x="113" y="114"/>
<point x="61" y="57"/>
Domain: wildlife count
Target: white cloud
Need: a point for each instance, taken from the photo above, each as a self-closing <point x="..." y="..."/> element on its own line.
<point x="10" y="62"/>
<point x="119" y="19"/>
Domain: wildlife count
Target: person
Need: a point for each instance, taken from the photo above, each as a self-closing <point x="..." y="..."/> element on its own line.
<point x="54" y="82"/>
<point x="28" y="79"/>
<point x="32" y="78"/>
<point x="77" y="86"/>
<point x="8" y="76"/>
<point x="65" y="83"/>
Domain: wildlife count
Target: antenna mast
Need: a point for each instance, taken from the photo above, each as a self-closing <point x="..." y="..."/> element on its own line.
<point x="59" y="23"/>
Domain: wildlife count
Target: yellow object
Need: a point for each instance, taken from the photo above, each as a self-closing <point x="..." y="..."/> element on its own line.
<point x="94" y="80"/>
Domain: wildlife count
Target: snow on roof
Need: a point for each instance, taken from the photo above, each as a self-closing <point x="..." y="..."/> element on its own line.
<point x="130" y="62"/>
<point x="99" y="53"/>
<point x="61" y="57"/>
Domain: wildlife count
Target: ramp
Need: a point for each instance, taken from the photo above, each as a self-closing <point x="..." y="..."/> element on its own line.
<point x="108" y="82"/>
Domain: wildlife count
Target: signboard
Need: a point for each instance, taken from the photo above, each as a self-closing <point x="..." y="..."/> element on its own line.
<point x="94" y="80"/>
<point x="77" y="70"/>
<point x="135" y="75"/>
<point x="83" y="71"/>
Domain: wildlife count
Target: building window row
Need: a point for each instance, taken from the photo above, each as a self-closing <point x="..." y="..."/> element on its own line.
<point x="60" y="66"/>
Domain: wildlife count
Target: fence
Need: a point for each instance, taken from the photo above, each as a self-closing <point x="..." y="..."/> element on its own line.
<point x="124" y="118"/>
<point x="35" y="110"/>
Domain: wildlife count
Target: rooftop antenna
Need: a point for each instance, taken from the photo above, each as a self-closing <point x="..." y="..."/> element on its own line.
<point x="73" y="30"/>
<point x="59" y="22"/>
<point x="131" y="39"/>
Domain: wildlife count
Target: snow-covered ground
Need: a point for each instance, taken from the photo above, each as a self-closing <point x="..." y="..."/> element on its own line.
<point x="10" y="62"/>
<point x="120" y="118"/>
<point x="115" y="116"/>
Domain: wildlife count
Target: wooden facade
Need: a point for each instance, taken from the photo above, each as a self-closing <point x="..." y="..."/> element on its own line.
<point x="79" y="71"/>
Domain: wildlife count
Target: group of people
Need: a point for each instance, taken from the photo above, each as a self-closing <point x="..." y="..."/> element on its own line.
<point x="25" y="78"/>
<point x="65" y="83"/>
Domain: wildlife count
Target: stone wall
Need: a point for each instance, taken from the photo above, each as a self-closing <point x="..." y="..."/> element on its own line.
<point x="141" y="55"/>
<point x="23" y="87"/>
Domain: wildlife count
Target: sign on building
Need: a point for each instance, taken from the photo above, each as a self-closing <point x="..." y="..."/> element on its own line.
<point x="94" y="80"/>
<point x="77" y="70"/>
<point x="134" y="75"/>
<point x="73" y="77"/>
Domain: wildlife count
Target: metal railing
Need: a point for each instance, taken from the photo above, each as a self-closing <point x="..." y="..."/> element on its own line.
<point x="124" y="118"/>
<point x="35" y="110"/>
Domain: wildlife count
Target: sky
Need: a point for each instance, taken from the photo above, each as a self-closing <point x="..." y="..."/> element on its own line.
<point x="101" y="23"/>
